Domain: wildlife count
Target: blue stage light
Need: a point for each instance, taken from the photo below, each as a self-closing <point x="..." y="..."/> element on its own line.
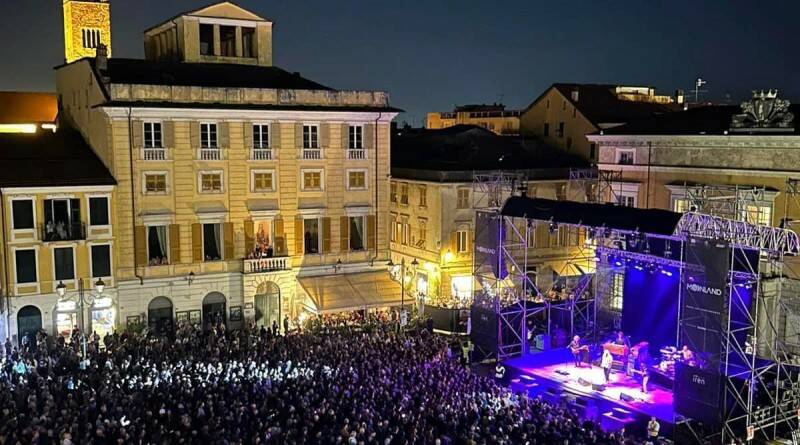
<point x="666" y="272"/>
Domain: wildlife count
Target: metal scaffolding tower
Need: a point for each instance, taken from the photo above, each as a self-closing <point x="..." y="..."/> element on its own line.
<point x="594" y="185"/>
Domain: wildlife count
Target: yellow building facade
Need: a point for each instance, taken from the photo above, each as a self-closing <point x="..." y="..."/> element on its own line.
<point x="57" y="218"/>
<point x="433" y="207"/>
<point x="493" y="117"/>
<point x="245" y="193"/>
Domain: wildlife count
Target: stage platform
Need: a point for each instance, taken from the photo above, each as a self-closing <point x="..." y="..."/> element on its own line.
<point x="553" y="374"/>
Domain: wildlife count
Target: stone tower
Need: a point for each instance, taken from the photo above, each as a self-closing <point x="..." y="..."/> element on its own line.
<point x="87" y="24"/>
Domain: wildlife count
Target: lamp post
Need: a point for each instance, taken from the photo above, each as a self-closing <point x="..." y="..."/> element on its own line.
<point x="83" y="300"/>
<point x="414" y="264"/>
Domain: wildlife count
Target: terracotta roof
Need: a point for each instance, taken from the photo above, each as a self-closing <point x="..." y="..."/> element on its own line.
<point x="17" y="107"/>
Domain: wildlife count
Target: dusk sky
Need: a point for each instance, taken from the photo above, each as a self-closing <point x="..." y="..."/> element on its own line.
<point x="430" y="55"/>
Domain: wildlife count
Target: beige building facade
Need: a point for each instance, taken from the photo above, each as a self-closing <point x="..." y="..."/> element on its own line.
<point x="245" y="193"/>
<point x="492" y="117"/>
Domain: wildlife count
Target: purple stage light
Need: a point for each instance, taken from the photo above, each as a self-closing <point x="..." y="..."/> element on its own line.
<point x="666" y="272"/>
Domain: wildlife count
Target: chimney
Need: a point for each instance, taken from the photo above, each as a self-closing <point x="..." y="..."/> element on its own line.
<point x="101" y="62"/>
<point x="575" y="95"/>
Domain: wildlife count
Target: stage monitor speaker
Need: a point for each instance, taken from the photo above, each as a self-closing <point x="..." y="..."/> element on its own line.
<point x="597" y="387"/>
<point x="627" y="398"/>
<point x="583" y="382"/>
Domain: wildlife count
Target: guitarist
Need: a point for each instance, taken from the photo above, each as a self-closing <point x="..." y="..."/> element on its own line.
<point x="579" y="352"/>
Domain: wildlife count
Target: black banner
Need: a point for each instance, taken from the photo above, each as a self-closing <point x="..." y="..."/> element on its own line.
<point x="488" y="236"/>
<point x="484" y="332"/>
<point x="697" y="393"/>
<point x="704" y="299"/>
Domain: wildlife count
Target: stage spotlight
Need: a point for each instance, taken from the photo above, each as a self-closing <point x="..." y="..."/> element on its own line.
<point x="666" y="272"/>
<point x="638" y="267"/>
<point x="618" y="263"/>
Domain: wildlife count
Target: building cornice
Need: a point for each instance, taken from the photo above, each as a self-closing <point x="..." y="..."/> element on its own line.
<point x="56" y="189"/>
<point x="696" y="170"/>
<point x="222" y="114"/>
<point x="698" y="141"/>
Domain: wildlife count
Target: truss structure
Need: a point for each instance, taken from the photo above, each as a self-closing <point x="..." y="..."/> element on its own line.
<point x="741" y="233"/>
<point x="491" y="189"/>
<point x="593" y="185"/>
<point x="735" y="202"/>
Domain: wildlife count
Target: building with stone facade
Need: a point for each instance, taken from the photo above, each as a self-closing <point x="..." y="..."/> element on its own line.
<point x="565" y="113"/>
<point x="433" y="203"/>
<point x="740" y="162"/>
<point x="493" y="117"/>
<point x="243" y="191"/>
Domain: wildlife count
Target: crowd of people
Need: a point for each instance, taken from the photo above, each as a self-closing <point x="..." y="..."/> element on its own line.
<point x="336" y="382"/>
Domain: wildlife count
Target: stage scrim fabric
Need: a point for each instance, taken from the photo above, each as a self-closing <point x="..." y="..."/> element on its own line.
<point x="348" y="292"/>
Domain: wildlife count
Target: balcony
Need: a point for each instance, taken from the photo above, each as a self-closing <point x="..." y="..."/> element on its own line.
<point x="312" y="153"/>
<point x="210" y="154"/>
<point x="356" y="153"/>
<point x="154" y="154"/>
<point x="52" y="231"/>
<point x="263" y="265"/>
<point x="261" y="154"/>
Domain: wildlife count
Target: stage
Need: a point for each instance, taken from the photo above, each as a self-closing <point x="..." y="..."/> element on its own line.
<point x="553" y="374"/>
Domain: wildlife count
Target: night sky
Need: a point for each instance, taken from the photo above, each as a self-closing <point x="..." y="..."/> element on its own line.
<point x="431" y="55"/>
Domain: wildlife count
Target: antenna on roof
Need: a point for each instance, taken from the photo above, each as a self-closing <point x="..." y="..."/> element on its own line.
<point x="697" y="84"/>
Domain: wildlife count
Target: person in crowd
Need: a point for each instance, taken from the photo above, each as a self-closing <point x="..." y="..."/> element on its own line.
<point x="339" y="380"/>
<point x="653" y="427"/>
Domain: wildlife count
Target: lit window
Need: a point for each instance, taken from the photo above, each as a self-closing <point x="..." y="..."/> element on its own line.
<point x="461" y="241"/>
<point x="152" y="135"/>
<point x="312" y="180"/>
<point x="262" y="182"/>
<point x="627" y="200"/>
<point x="155" y="183"/>
<point x="211" y="182"/>
<point x="422" y="233"/>
<point x="463" y="199"/>
<point x="393" y="192"/>
<point x="404" y="193"/>
<point x="356" y="179"/>
<point x="758" y="214"/>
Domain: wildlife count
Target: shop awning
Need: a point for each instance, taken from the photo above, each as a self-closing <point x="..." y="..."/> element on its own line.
<point x="350" y="292"/>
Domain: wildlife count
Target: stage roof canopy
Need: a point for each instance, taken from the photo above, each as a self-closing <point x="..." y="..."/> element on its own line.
<point x="610" y="216"/>
<point x="350" y="292"/>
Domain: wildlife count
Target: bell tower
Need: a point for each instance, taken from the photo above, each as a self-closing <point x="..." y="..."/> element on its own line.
<point x="87" y="24"/>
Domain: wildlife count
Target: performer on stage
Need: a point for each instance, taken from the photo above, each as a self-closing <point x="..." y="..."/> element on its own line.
<point x="687" y="355"/>
<point x="579" y="352"/>
<point x="622" y="340"/>
<point x="605" y="363"/>
<point x="645" y="376"/>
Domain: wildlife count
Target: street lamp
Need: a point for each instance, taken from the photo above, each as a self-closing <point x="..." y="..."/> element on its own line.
<point x="83" y="300"/>
<point x="414" y="264"/>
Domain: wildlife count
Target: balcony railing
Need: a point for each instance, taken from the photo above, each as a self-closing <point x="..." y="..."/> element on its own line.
<point x="59" y="231"/>
<point x="261" y="265"/>
<point x="210" y="154"/>
<point x="261" y="154"/>
<point x="356" y="153"/>
<point x="154" y="154"/>
<point x="312" y="153"/>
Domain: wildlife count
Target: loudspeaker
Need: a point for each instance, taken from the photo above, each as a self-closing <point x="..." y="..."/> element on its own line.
<point x="583" y="382"/>
<point x="597" y="387"/>
<point x="625" y="397"/>
<point x="562" y="372"/>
